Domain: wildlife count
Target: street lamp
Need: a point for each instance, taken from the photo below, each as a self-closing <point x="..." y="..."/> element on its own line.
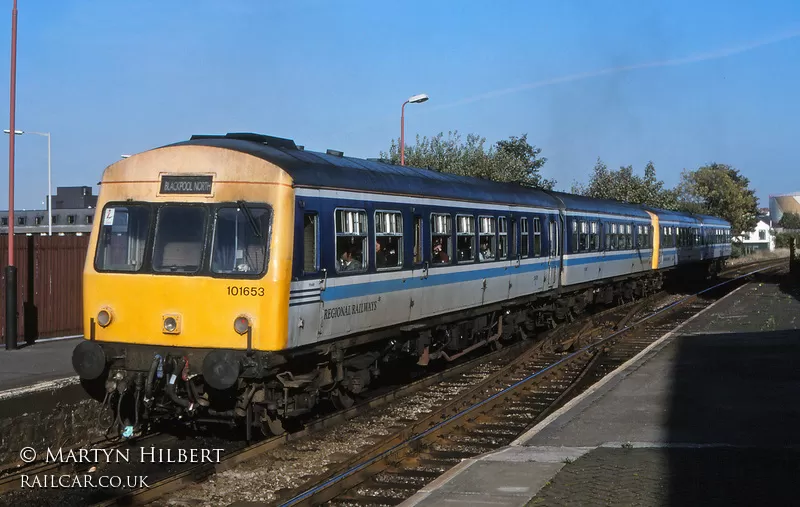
<point x="49" y="186"/>
<point x="416" y="99"/>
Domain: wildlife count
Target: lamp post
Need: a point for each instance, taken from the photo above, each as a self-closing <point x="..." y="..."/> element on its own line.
<point x="416" y="99"/>
<point x="11" y="270"/>
<point x="49" y="186"/>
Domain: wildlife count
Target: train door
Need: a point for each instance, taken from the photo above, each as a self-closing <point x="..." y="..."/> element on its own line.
<point x="420" y="266"/>
<point x="514" y="261"/>
<point x="553" y="254"/>
<point x="306" y="296"/>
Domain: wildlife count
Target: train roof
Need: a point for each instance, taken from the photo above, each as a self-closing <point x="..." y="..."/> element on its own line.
<point x="665" y="215"/>
<point x="594" y="205"/>
<point x="335" y="171"/>
<point x="712" y="220"/>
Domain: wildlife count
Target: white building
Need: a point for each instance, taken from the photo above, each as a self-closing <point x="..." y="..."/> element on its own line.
<point x="759" y="239"/>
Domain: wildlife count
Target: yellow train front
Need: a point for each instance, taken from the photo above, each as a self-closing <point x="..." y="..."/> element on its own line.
<point x="186" y="283"/>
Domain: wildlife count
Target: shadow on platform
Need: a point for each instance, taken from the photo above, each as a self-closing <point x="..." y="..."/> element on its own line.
<point x="732" y="420"/>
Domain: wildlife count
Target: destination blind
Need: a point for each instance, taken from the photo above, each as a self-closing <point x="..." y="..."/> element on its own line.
<point x="180" y="184"/>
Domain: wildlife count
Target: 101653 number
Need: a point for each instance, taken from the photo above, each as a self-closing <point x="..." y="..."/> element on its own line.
<point x="233" y="290"/>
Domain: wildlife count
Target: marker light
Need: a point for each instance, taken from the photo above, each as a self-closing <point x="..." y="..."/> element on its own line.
<point x="170" y="324"/>
<point x="104" y="318"/>
<point x="241" y="324"/>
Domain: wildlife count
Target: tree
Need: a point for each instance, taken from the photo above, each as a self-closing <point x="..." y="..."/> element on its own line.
<point x="790" y="221"/>
<point x="623" y="185"/>
<point x="513" y="160"/>
<point x="720" y="190"/>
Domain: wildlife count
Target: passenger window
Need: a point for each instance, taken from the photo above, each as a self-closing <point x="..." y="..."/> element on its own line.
<point x="523" y="232"/>
<point x="351" y="241"/>
<point x="441" y="230"/>
<point x="639" y="237"/>
<point x="514" y="228"/>
<point x="502" y="240"/>
<point x="594" y="239"/>
<point x="388" y="239"/>
<point x="615" y="237"/>
<point x="310" y="258"/>
<point x="584" y="239"/>
<point x="629" y="237"/>
<point x="418" y="257"/>
<point x="537" y="237"/>
<point x="465" y="238"/>
<point x="575" y="236"/>
<point x="487" y="238"/>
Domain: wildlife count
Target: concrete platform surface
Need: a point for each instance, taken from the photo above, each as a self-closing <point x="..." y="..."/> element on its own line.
<point x="708" y="416"/>
<point x="42" y="361"/>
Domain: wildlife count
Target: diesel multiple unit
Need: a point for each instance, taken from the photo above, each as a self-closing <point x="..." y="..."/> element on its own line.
<point x="242" y="278"/>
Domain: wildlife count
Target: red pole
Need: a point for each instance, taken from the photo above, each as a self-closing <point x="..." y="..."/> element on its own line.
<point x="11" y="270"/>
<point x="402" y="134"/>
<point x="11" y="135"/>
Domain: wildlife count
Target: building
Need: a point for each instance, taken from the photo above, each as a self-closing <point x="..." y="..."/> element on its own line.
<point x="73" y="213"/>
<point x="759" y="239"/>
<point x="74" y="198"/>
<point x="780" y="204"/>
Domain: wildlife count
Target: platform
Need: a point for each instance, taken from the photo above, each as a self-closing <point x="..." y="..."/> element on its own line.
<point x="708" y="416"/>
<point x="40" y="362"/>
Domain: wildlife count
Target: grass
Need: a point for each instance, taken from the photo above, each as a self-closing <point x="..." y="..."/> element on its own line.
<point x="778" y="253"/>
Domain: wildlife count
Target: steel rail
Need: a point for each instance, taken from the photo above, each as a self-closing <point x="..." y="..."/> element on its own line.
<point x="316" y="495"/>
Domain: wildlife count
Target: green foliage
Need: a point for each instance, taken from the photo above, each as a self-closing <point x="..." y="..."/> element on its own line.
<point x="790" y="221"/>
<point x="782" y="239"/>
<point x="512" y="160"/>
<point x="623" y="185"/>
<point x="720" y="190"/>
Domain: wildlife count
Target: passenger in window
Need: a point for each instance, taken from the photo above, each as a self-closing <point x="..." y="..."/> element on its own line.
<point x="439" y="254"/>
<point x="380" y="255"/>
<point x="486" y="254"/>
<point x="347" y="262"/>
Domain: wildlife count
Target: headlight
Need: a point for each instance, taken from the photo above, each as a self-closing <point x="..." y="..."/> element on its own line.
<point x="241" y="324"/>
<point x="170" y="324"/>
<point x="104" y="318"/>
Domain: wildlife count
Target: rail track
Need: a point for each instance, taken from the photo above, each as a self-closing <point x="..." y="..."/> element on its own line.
<point x="494" y="413"/>
<point x="548" y="354"/>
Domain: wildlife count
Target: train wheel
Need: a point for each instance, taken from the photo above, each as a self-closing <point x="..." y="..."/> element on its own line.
<point x="341" y="399"/>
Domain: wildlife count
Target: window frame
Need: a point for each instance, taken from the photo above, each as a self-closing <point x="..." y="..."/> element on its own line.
<point x="594" y="236"/>
<point x="211" y="236"/>
<point x="471" y="235"/>
<point x="492" y="235"/>
<point x="449" y="235"/>
<point x="500" y="235"/>
<point x="524" y="238"/>
<point x="145" y="266"/>
<point x="537" y="231"/>
<point x="419" y="240"/>
<point x="376" y="234"/>
<point x="317" y="266"/>
<point x="365" y="241"/>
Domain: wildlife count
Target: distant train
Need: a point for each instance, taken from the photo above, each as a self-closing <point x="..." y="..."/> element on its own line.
<point x="240" y="277"/>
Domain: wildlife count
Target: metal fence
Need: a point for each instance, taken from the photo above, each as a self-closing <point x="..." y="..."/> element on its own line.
<point x="49" y="285"/>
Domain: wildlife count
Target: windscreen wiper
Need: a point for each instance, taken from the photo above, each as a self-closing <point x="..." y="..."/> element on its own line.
<point x="250" y="218"/>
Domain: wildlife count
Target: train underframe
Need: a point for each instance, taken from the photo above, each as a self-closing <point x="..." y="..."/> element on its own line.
<point x="146" y="384"/>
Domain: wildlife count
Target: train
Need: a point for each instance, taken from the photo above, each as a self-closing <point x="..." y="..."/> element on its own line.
<point x="242" y="279"/>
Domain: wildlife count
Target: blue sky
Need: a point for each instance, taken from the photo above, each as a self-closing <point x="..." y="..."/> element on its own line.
<point x="695" y="82"/>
